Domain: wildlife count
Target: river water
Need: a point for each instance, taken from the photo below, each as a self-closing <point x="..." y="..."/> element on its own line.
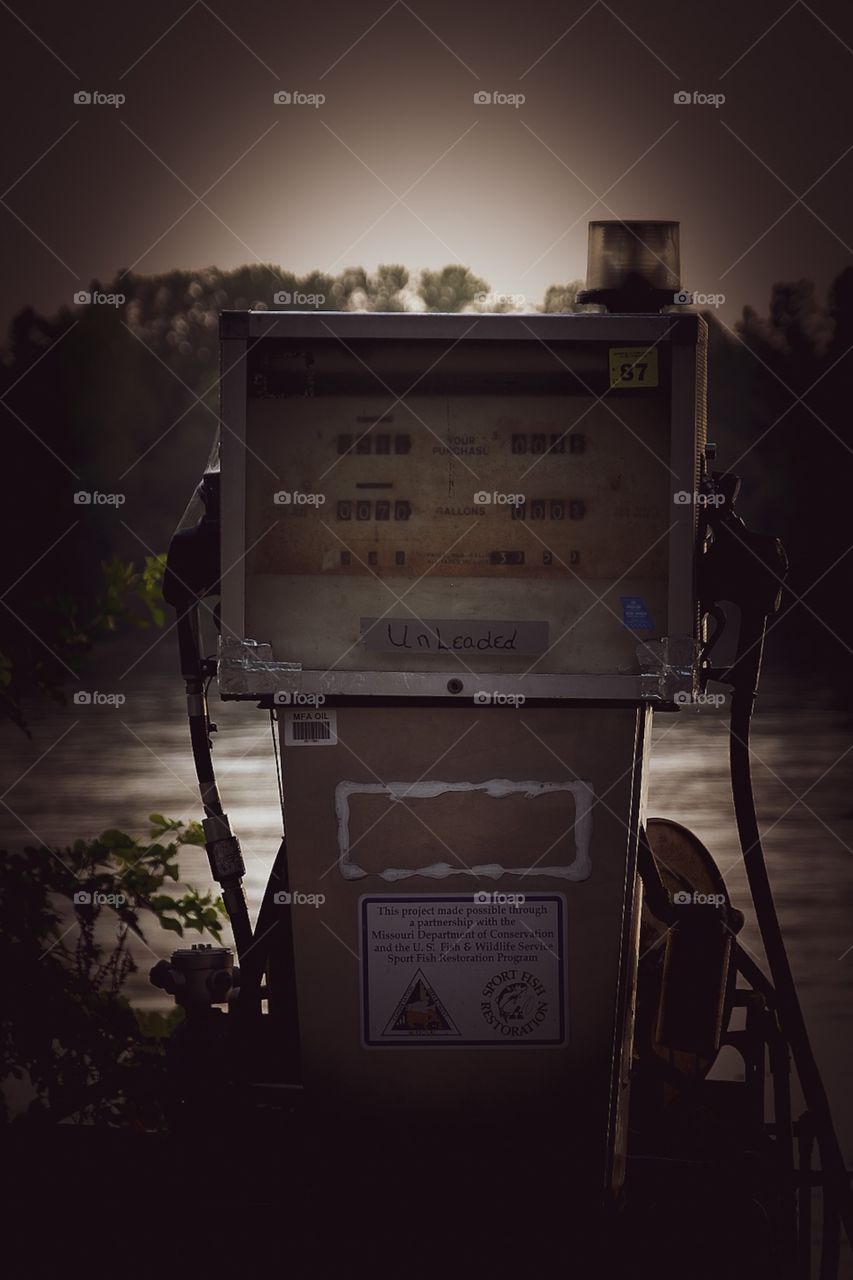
<point x="87" y="768"/>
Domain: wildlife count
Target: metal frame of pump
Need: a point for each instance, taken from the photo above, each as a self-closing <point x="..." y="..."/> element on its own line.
<point x="734" y="567"/>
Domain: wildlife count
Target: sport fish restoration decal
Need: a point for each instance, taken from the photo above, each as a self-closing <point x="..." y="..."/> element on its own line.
<point x="456" y="970"/>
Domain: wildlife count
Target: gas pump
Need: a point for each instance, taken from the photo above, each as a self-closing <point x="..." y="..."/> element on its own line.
<point x="460" y="561"/>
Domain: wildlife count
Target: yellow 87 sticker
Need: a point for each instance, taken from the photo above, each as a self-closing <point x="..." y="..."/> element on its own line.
<point x="633" y="367"/>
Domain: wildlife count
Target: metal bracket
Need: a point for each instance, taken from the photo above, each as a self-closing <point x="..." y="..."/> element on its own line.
<point x="246" y="668"/>
<point x="667" y="668"/>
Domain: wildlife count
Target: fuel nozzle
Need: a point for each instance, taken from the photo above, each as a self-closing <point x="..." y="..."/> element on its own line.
<point x="739" y="565"/>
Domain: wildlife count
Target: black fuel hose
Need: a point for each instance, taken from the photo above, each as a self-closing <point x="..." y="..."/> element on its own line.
<point x="838" y="1203"/>
<point x="199" y="725"/>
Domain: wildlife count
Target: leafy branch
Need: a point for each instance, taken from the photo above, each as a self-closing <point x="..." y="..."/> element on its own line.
<point x="64" y="629"/>
<point x="68" y="1034"/>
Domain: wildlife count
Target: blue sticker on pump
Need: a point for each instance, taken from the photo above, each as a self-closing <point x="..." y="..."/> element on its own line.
<point x="635" y="615"/>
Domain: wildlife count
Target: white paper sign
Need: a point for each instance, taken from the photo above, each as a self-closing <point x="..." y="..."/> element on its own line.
<point x="458" y="970"/>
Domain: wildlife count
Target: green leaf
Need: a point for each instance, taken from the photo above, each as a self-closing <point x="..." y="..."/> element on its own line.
<point x="115" y="839"/>
<point x="162" y="902"/>
<point x="194" y="834"/>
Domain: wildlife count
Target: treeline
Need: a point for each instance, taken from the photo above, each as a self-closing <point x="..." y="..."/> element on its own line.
<point x="121" y="398"/>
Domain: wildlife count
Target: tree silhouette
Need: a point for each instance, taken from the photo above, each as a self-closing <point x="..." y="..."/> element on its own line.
<point x="126" y="399"/>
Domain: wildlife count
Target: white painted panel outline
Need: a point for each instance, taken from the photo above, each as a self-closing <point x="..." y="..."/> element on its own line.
<point x="497" y="788"/>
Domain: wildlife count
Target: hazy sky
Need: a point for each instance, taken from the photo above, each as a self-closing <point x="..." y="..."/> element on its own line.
<point x="400" y="163"/>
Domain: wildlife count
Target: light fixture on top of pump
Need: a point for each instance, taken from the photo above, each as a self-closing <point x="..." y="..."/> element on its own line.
<point x="632" y="266"/>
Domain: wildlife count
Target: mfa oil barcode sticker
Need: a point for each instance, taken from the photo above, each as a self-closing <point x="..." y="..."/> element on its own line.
<point x="312" y="727"/>
<point x="482" y="969"/>
<point x="633" y="367"/>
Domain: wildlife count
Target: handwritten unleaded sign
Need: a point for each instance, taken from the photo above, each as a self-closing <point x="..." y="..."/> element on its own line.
<point x="449" y="635"/>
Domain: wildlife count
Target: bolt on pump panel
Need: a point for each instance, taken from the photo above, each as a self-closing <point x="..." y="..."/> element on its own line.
<point x="444" y="539"/>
